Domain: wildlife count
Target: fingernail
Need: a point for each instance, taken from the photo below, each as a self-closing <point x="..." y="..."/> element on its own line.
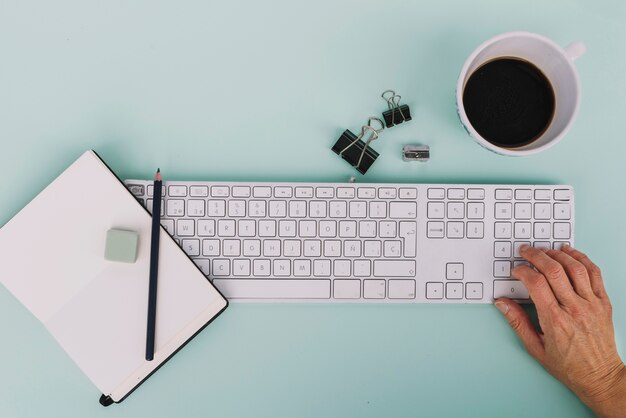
<point x="502" y="307"/>
<point x="566" y="247"/>
<point x="523" y="248"/>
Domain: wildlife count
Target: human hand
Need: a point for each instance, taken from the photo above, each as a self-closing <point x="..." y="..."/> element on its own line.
<point x="577" y="343"/>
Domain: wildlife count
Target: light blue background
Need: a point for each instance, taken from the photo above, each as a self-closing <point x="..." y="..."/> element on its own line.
<point x="249" y="90"/>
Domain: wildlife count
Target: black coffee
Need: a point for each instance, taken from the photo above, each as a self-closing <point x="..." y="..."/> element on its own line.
<point x="509" y="102"/>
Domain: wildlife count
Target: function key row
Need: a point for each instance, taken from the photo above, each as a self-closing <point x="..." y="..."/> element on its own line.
<point x="527" y="194"/>
<point x="302" y="192"/>
<point x="438" y="193"/>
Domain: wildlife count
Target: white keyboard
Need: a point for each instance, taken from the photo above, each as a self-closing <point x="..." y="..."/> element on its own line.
<point x="415" y="243"/>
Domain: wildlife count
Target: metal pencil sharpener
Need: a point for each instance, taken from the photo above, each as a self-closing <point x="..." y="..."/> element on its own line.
<point x="416" y="153"/>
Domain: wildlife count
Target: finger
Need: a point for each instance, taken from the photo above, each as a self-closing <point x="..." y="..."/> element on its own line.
<point x="553" y="272"/>
<point x="595" y="275"/>
<point x="540" y="291"/>
<point x="520" y="322"/>
<point x="576" y="272"/>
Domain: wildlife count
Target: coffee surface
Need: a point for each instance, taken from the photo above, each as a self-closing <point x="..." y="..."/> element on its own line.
<point x="509" y="102"/>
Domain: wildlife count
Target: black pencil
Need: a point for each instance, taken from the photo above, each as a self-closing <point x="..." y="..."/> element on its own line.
<point x="154" y="264"/>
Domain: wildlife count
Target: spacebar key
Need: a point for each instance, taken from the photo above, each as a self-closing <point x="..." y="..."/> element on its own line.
<point x="273" y="289"/>
<point x="394" y="268"/>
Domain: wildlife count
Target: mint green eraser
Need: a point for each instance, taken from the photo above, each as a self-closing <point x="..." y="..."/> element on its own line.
<point x="121" y="246"/>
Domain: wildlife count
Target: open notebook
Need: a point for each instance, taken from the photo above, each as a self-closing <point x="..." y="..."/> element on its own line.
<point x="97" y="309"/>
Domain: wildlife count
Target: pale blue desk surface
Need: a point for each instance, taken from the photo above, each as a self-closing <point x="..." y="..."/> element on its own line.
<point x="235" y="90"/>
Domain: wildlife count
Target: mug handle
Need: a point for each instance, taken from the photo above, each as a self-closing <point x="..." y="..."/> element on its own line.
<point x="575" y="50"/>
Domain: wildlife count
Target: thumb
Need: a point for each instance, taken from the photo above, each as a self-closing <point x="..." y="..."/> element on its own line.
<point x="520" y="322"/>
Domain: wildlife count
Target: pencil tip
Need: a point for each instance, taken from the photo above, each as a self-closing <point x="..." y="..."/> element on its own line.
<point x="157" y="177"/>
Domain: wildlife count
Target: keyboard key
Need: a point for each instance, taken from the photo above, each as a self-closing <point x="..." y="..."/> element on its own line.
<point x="501" y="268"/>
<point x="407" y="193"/>
<point x="301" y="268"/>
<point x="283" y="191"/>
<point x="523" y="194"/>
<point x="175" y="207"/>
<point x="366" y="192"/>
<point x="436" y="193"/>
<point x="434" y="230"/>
<point x="403" y="210"/>
<point x="358" y="209"/>
<point x="502" y="230"/>
<point x="522" y="230"/>
<point x="516" y="247"/>
<point x="332" y="248"/>
<point x="186" y="227"/>
<point x="455" y="229"/>
<point x="523" y="210"/>
<point x="221" y="267"/>
<point x="226" y="228"/>
<point x="401" y="289"/>
<point x="292" y="248"/>
<point x="236" y="208"/>
<point x="561" y="230"/>
<point x="262" y="191"/>
<point x="378" y="209"/>
<point x="267" y="228"/>
<point x="303" y="192"/>
<point x="204" y="265"/>
<point x="328" y="229"/>
<point x="386" y="193"/>
<point x="345" y="192"/>
<point x="503" y="211"/>
<point x="324" y="192"/>
<point x="220" y="191"/>
<point x="168" y="224"/>
<point x="342" y="268"/>
<point x="282" y="267"/>
<point x="456" y="194"/>
<point x="558" y="244"/>
<point x="562" y="211"/>
<point x="436" y="210"/>
<point x="367" y="229"/>
<point x="277" y="209"/>
<point x="408" y="232"/>
<point x="456" y="210"/>
<point x="543" y="211"/>
<point x="352" y="248"/>
<point x="562" y="194"/>
<point x="241" y="191"/>
<point x="362" y="268"/>
<point x="346" y="289"/>
<point x="475" y="210"/>
<point x="473" y="291"/>
<point x="321" y="268"/>
<point x="504" y="194"/>
<point x="317" y="209"/>
<point x="198" y="191"/>
<point x="391" y="248"/>
<point x="256" y="208"/>
<point x="195" y="207"/>
<point x="541" y="230"/>
<point x="394" y="268"/>
<point x="210" y="247"/>
<point x="373" y="289"/>
<point x="286" y="228"/>
<point x="274" y="289"/>
<point x="542" y="245"/>
<point x="475" y="230"/>
<point x="191" y="247"/>
<point x="434" y="290"/>
<point x="231" y="248"/>
<point x="502" y="249"/>
<point x="387" y="229"/>
<point x="513" y="289"/>
<point x="151" y="191"/>
<point x="241" y="267"/>
<point x="177" y="191"/>
<point x="347" y="229"/>
<point x="543" y="194"/>
<point x="372" y="249"/>
<point x="216" y="208"/>
<point x="476" y="194"/>
<point x="307" y="228"/>
<point x="454" y="290"/>
<point x="454" y="271"/>
<point x="251" y="248"/>
<point x="247" y="228"/>
<point x="149" y="204"/>
<point x="312" y="248"/>
<point x="261" y="267"/>
<point x="338" y="209"/>
<point x="297" y="209"/>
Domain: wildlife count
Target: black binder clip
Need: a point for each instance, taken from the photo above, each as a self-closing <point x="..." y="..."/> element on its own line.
<point x="356" y="152"/>
<point x="397" y="113"/>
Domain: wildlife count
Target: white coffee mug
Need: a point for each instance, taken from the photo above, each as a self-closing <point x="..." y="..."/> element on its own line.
<point x="556" y="63"/>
